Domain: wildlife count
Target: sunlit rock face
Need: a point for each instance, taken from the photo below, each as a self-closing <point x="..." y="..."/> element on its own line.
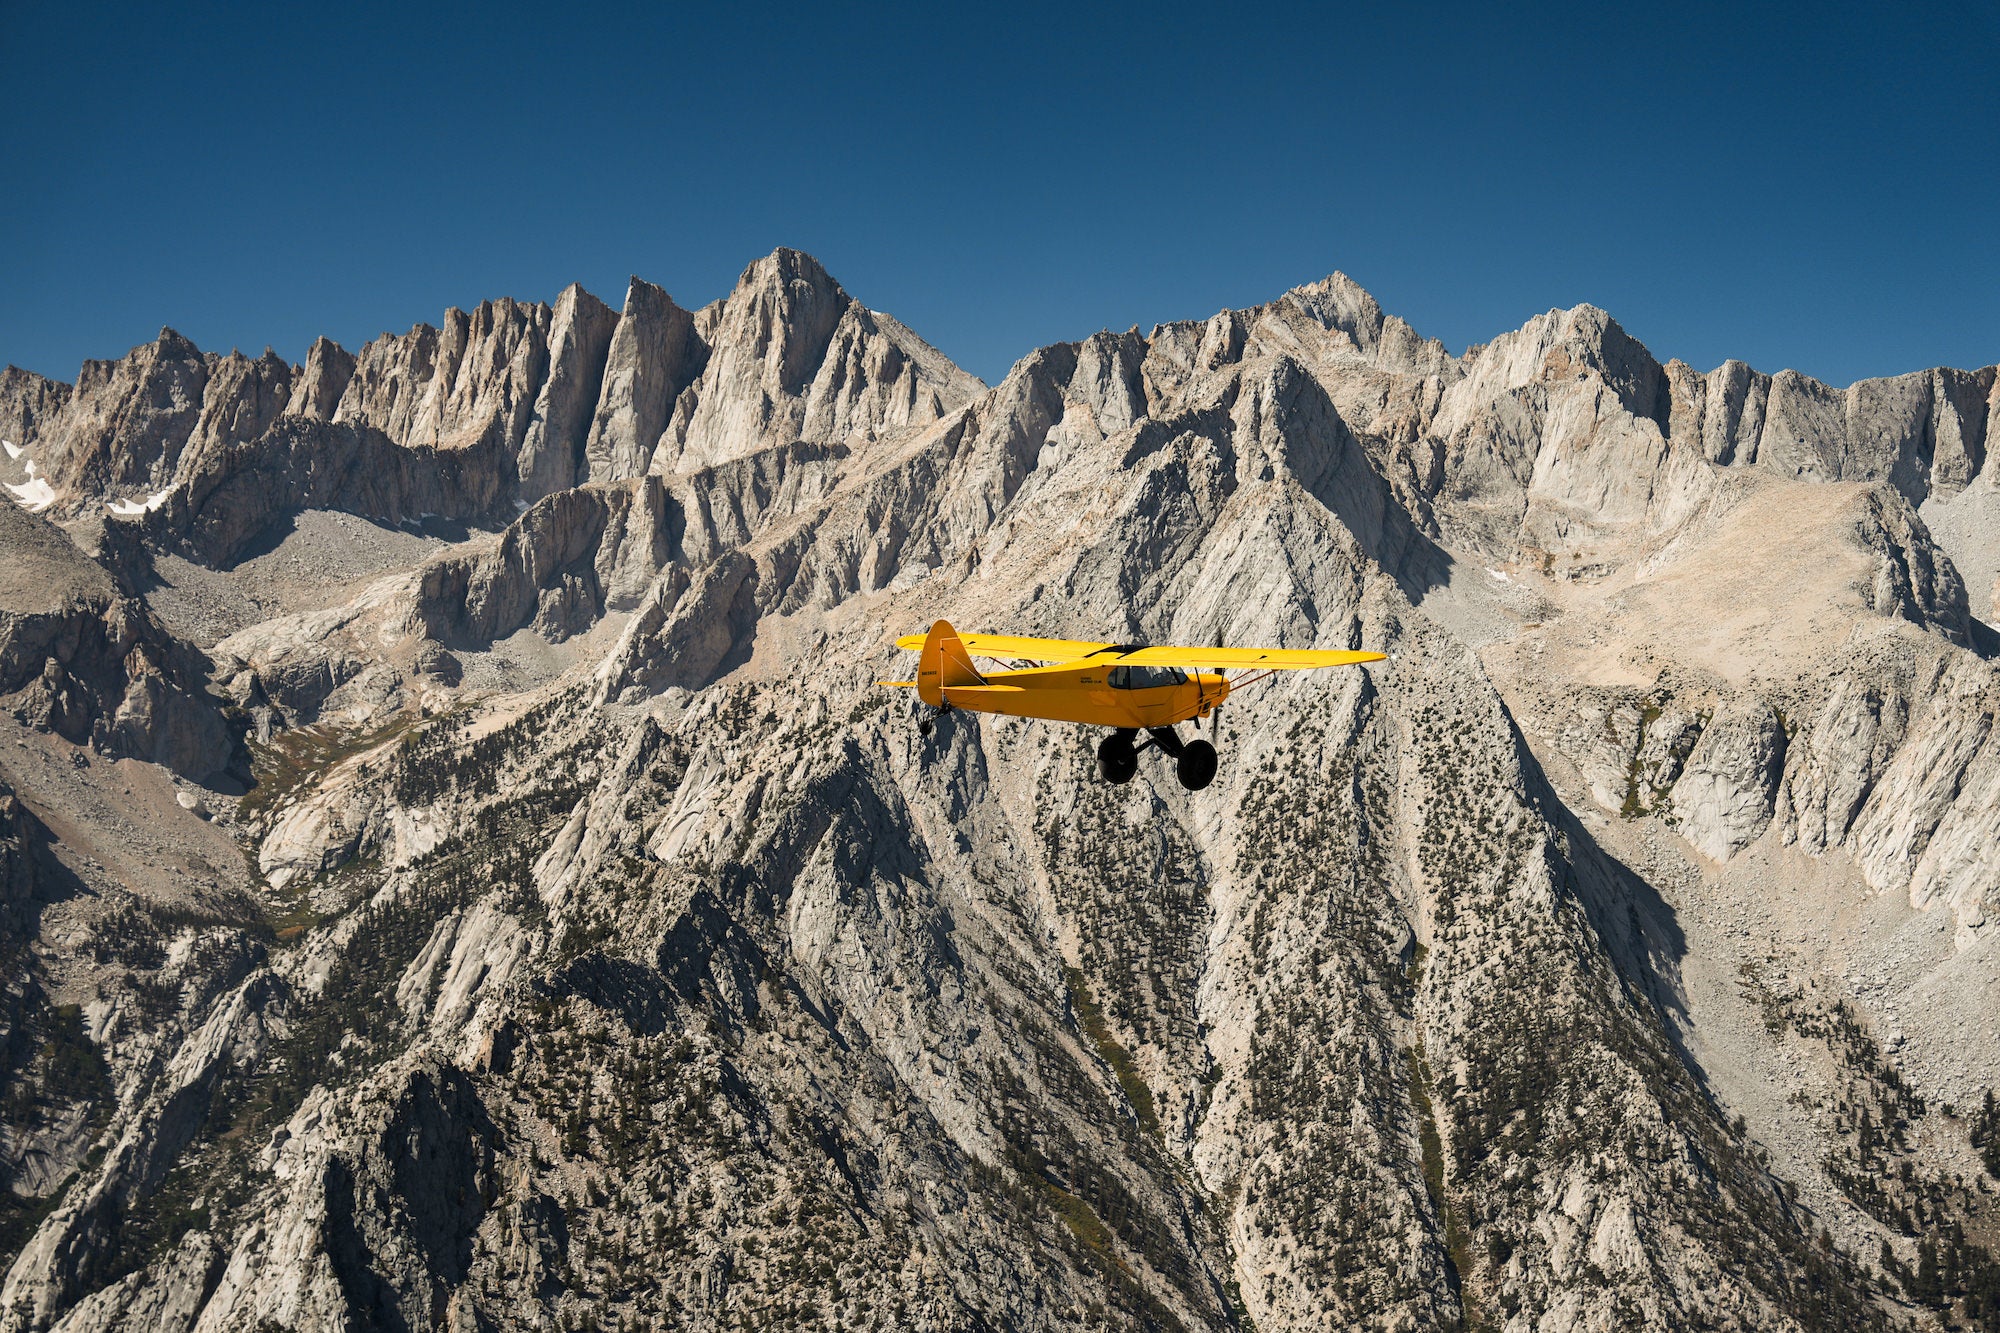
<point x="460" y="869"/>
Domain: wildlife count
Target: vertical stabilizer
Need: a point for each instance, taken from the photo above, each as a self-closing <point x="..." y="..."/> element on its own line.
<point x="944" y="663"/>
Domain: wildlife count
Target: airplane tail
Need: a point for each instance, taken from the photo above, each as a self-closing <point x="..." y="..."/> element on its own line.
<point x="944" y="664"/>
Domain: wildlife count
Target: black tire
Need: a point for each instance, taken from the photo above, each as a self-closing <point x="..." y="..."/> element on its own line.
<point x="1117" y="759"/>
<point x="1196" y="766"/>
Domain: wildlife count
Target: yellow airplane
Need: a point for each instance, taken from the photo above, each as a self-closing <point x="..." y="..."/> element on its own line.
<point x="1128" y="687"/>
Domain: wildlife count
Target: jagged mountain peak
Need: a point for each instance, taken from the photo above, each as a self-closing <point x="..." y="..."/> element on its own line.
<point x="1569" y="343"/>
<point x="783" y="312"/>
<point x="167" y="344"/>
<point x="1341" y="302"/>
<point x="322" y="381"/>
<point x="790" y="355"/>
<point x="784" y="266"/>
<point x="641" y="294"/>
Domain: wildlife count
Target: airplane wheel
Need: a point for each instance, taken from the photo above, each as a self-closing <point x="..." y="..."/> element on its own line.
<point x="1196" y="766"/>
<point x="1117" y="759"/>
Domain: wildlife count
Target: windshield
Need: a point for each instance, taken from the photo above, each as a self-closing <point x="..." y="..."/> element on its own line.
<point x="1145" y="677"/>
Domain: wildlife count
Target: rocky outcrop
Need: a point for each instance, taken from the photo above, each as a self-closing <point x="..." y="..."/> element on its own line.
<point x="473" y="381"/>
<point x="552" y="568"/>
<point x="1923" y="433"/>
<point x="392" y="1210"/>
<point x="876" y="377"/>
<point x="218" y="507"/>
<point x="553" y="457"/>
<point x="29" y="404"/>
<point x="1341" y="307"/>
<point x="127" y="421"/>
<point x="795" y="357"/>
<point x="682" y="632"/>
<point x="465" y="971"/>
<point x="1724" y="791"/>
<point x="22" y="840"/>
<point x="320" y="386"/>
<point x="498" y="375"/>
<point x="242" y="400"/>
<point x="393" y="385"/>
<point x="653" y="354"/>
<point x="80" y="658"/>
<point x="169" y="1306"/>
<point x="1901" y="771"/>
<point x="71" y="1251"/>
<point x="769" y="337"/>
<point x="1913" y="579"/>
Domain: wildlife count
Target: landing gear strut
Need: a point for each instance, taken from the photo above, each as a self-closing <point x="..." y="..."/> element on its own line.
<point x="1118" y="757"/>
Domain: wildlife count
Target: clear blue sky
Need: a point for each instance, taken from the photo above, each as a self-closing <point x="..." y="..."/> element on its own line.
<point x="1811" y="192"/>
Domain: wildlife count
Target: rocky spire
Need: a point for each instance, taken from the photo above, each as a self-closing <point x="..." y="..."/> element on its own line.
<point x="317" y="392"/>
<point x="653" y="354"/>
<point x="552" y="451"/>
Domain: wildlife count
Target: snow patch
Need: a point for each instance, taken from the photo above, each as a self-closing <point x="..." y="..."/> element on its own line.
<point x="1499" y="575"/>
<point x="147" y="506"/>
<point x="33" y="495"/>
<point x="13" y="449"/>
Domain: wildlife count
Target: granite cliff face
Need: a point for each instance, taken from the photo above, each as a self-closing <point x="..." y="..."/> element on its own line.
<point x="82" y="659"/>
<point x="596" y="944"/>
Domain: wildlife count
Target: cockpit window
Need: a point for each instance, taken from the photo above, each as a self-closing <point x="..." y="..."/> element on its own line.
<point x="1144" y="677"/>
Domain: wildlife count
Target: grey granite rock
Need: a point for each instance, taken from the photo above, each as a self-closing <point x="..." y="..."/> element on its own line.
<point x="794" y="357"/>
<point x="29" y="403"/>
<point x="653" y="355"/>
<point x="87" y="661"/>
<point x="127" y="421"/>
<point x="242" y="400"/>
<point x="322" y="383"/>
<point x="552" y="451"/>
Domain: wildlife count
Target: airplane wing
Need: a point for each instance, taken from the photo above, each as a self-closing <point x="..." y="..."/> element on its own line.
<point x="1261" y="659"/>
<point x="1014" y="645"/>
<point x="1211" y="659"/>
